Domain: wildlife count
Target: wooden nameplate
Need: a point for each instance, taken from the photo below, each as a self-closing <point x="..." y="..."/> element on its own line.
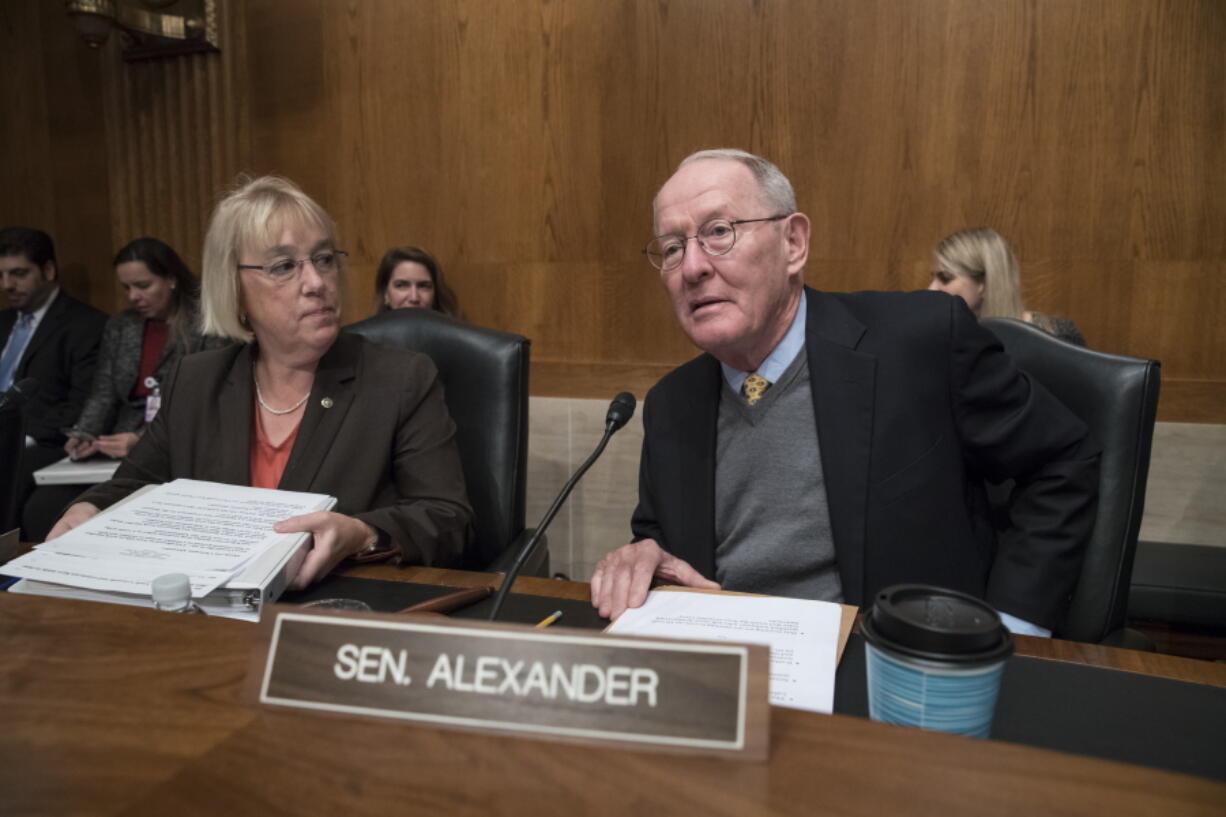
<point x="555" y="683"/>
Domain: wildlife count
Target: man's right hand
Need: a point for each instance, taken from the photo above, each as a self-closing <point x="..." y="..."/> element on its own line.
<point x="75" y="515"/>
<point x="622" y="578"/>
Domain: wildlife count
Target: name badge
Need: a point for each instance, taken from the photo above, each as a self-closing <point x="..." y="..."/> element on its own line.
<point x="557" y="683"/>
<point x="152" y="403"/>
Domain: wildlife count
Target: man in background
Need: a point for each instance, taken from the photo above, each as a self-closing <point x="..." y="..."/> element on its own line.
<point x="829" y="445"/>
<point x="47" y="335"/>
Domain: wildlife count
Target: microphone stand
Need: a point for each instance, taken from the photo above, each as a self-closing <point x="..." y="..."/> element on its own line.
<point x="526" y="551"/>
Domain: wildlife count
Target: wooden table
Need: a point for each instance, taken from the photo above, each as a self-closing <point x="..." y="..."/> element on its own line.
<point x="115" y="710"/>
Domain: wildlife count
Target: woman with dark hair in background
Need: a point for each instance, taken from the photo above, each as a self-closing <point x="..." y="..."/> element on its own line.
<point x="139" y="348"/>
<point x="978" y="266"/>
<point x="410" y="277"/>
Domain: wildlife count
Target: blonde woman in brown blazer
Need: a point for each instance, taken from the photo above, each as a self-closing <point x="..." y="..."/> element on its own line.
<point x="297" y="406"/>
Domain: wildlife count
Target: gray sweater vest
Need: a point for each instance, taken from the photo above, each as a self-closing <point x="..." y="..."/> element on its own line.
<point x="772" y="523"/>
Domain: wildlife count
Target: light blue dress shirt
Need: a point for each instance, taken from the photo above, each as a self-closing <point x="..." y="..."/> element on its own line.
<point x="779" y="359"/>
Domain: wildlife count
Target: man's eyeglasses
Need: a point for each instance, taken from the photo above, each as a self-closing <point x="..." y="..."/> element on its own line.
<point x="716" y="237"/>
<point x="325" y="262"/>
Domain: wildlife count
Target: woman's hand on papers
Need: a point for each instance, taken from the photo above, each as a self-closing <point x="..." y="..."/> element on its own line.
<point x="622" y="578"/>
<point x="117" y="446"/>
<point x="335" y="537"/>
<point x="75" y="515"/>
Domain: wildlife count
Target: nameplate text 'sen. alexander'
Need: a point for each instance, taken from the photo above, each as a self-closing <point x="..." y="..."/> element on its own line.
<point x="566" y="684"/>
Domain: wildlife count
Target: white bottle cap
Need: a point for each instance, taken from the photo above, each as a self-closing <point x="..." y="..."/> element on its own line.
<point x="172" y="590"/>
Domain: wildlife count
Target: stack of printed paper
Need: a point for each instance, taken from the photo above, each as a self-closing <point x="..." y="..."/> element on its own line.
<point x="221" y="536"/>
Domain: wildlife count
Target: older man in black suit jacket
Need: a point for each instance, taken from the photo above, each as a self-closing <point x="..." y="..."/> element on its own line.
<point x="914" y="406"/>
<point x="47" y="335"/>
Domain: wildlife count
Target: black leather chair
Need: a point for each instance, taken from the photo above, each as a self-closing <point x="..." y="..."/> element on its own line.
<point x="1179" y="584"/>
<point x="12" y="445"/>
<point x="1117" y="397"/>
<point x="485" y="379"/>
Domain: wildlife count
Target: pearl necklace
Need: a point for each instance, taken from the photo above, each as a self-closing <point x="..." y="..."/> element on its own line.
<point x="260" y="399"/>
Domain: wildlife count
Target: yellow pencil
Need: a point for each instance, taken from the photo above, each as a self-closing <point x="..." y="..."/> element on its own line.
<point x="550" y="619"/>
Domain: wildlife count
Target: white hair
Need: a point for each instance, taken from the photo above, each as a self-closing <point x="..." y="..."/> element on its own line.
<point x="777" y="192"/>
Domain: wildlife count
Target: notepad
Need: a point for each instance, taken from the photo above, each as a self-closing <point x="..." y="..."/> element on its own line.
<point x="72" y="472"/>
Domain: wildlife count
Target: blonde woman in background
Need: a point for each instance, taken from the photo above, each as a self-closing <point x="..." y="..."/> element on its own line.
<point x="978" y="266"/>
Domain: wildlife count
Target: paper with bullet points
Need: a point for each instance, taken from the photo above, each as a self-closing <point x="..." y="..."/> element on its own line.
<point x="803" y="636"/>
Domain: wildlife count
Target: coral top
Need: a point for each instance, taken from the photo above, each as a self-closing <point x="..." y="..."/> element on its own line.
<point x="267" y="460"/>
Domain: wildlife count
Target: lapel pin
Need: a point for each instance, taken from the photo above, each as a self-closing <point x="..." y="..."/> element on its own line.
<point x="326" y="402"/>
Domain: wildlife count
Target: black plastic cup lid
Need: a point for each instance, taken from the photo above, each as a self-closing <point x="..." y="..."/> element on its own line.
<point x="935" y="624"/>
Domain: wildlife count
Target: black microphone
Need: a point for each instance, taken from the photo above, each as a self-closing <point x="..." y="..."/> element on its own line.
<point x="620" y="412"/>
<point x="23" y="390"/>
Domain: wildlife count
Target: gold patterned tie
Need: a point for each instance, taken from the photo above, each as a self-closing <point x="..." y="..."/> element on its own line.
<point x="754" y="387"/>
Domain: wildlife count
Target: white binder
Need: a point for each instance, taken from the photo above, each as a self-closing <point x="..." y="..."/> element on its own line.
<point x="260" y="582"/>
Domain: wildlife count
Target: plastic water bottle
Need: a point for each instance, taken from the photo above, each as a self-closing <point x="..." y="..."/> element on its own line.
<point x="173" y="594"/>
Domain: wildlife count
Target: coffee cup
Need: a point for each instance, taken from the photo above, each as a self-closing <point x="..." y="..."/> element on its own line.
<point x="934" y="659"/>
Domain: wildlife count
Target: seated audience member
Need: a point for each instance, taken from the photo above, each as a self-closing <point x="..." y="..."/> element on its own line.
<point x="410" y="277"/>
<point x="828" y="445"/>
<point x="140" y="346"/>
<point x="978" y="266"/>
<point x="48" y="335"/>
<point x="298" y="406"/>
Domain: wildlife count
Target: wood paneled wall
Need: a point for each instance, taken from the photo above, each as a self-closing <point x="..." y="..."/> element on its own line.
<point x="177" y="134"/>
<point x="522" y="141"/>
<point x="53" y="165"/>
